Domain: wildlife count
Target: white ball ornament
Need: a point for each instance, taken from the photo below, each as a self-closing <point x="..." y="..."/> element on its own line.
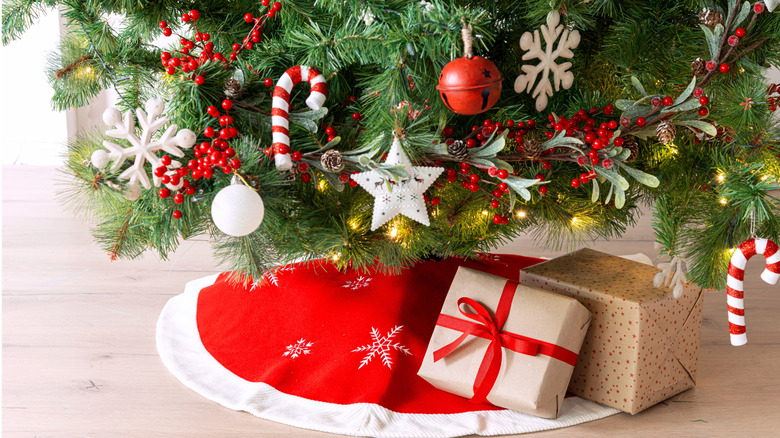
<point x="237" y="210"/>
<point x="132" y="193"/>
<point x="112" y="117"/>
<point x="99" y="159"/>
<point x="154" y="107"/>
<point x="185" y="138"/>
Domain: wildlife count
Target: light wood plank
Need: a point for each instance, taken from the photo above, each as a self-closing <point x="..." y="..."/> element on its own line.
<point x="79" y="356"/>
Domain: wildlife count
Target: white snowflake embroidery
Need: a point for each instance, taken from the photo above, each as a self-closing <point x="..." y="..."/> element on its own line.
<point x="533" y="45"/>
<point x="358" y="283"/>
<point x="273" y="276"/>
<point x="299" y="348"/>
<point x="382" y="346"/>
<point x="143" y="147"/>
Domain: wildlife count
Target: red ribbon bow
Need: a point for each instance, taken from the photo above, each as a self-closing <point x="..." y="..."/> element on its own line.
<point x="489" y="327"/>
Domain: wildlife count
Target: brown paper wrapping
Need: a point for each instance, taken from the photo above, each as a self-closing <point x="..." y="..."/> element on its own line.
<point x="642" y="346"/>
<point x="530" y="384"/>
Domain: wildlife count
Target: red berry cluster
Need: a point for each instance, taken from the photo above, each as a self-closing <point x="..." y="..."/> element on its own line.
<point x="773" y="99"/>
<point x="174" y="175"/>
<point x="200" y="40"/>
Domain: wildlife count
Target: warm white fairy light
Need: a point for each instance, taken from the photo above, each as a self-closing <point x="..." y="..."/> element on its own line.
<point x="322" y="185"/>
<point x="484" y="212"/>
<point x="336" y="256"/>
<point x="723" y="201"/>
<point x="764" y="177"/>
<point x="521" y="214"/>
<point x="574" y="220"/>
<point x="721" y="177"/>
<point x="394" y="232"/>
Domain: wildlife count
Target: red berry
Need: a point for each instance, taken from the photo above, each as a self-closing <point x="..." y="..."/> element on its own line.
<point x="306" y="177"/>
<point x="668" y="101"/>
<point x="543" y="190"/>
<point x="265" y="2"/>
<point x="503" y="174"/>
<point x="235" y="163"/>
<point x="471" y="143"/>
<point x="497" y="219"/>
<point x="170" y="70"/>
<point x="163" y="24"/>
<point x="164" y="193"/>
<point x="271" y="13"/>
<point x="607" y="163"/>
<point x="435" y="200"/>
<point x="199" y="80"/>
<point x="608" y="110"/>
<point x="233" y="56"/>
<point x="178" y="198"/>
<point x="584" y="178"/>
<point x="297" y="155"/>
<point x="613" y="124"/>
<point x="236" y="47"/>
<point x="546" y="165"/>
<point x="724" y="68"/>
<point x="733" y="40"/>
<point x="331" y="138"/>
<point x="656" y="102"/>
<point x="176" y="214"/>
<point x="268" y="82"/>
<point x="740" y="32"/>
<point x="208" y="132"/>
<point x="447" y="131"/>
<point x="495" y="204"/>
<point x="703" y="111"/>
<point x="503" y="187"/>
<point x="356" y="116"/>
<point x="190" y="189"/>
<point x="249" y="18"/>
<point x="698" y="92"/>
<point x="712" y="65"/>
<point x="194" y="14"/>
<point x="474" y="177"/>
<point x="166" y="160"/>
<point x="303" y="166"/>
<point x="582" y="160"/>
<point x="758" y="8"/>
<point x="213" y="111"/>
<point x="227" y="105"/>
<point x="619" y="141"/>
<point x="704" y="100"/>
<point x="640" y="121"/>
<point x="330" y="131"/>
<point x="185" y="17"/>
<point x="277" y="6"/>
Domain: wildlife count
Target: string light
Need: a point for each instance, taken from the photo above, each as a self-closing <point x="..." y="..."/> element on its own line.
<point x="764" y="177"/>
<point x="574" y="221"/>
<point x="322" y="185"/>
<point x="721" y="177"/>
<point x="353" y="225"/>
<point x="723" y="201"/>
<point x="521" y="214"/>
<point x="394" y="232"/>
<point x="484" y="213"/>
<point x="89" y="69"/>
<point x="336" y="256"/>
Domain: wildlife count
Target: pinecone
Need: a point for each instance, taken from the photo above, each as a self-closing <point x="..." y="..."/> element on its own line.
<point x="459" y="150"/>
<point x="665" y="132"/>
<point x="699" y="67"/>
<point x="331" y="161"/>
<point x="233" y="88"/>
<point x="631" y="144"/>
<point x="710" y="17"/>
<point x="532" y="147"/>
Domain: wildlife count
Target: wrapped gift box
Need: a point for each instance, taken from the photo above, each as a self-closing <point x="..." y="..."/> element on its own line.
<point x="525" y="367"/>
<point x="642" y="346"/>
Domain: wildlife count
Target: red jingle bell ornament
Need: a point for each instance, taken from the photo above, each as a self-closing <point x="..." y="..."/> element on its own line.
<point x="472" y="84"/>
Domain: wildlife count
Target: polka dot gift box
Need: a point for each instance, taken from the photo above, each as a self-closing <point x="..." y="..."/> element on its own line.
<point x="643" y="344"/>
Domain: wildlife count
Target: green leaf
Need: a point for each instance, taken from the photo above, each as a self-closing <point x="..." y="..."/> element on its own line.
<point x="623" y="154"/>
<point x="686" y="93"/>
<point x="638" y="85"/>
<point x="525" y="194"/>
<point x="594" y="197"/>
<point x="501" y="164"/>
<point x="328" y="145"/>
<point x="685" y="106"/>
<point x="520" y="185"/>
<point x="560" y="140"/>
<point x="481" y="161"/>
<point x="307" y="119"/>
<point x="332" y="178"/>
<point x="620" y="198"/>
<point x="637" y="111"/>
<point x="743" y="13"/>
<point x="642" y="177"/>
<point x="512" y="200"/>
<point x="706" y="127"/>
<point x="713" y="42"/>
<point x="613" y="177"/>
<point x="609" y="193"/>
<point x="491" y="148"/>
<point x="624" y="104"/>
<point x="371" y="146"/>
<point x="649" y="131"/>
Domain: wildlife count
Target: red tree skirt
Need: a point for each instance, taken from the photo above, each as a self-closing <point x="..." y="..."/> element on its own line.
<point x="313" y="347"/>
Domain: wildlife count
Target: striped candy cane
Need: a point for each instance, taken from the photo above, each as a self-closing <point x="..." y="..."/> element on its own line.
<point x="280" y="118"/>
<point x="735" y="285"/>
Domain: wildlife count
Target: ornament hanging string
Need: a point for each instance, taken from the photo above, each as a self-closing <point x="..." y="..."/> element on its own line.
<point x="468" y="39"/>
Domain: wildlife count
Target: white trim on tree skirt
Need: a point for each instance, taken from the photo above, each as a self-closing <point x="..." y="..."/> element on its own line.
<point x="182" y="351"/>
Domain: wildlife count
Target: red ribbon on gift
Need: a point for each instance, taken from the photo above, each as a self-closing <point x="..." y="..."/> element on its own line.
<point x="489" y="327"/>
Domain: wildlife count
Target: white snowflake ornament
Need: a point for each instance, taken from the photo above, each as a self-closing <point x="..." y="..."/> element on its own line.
<point x="402" y="197"/>
<point x="771" y="4"/>
<point x="142" y="147"/>
<point x="533" y="45"/>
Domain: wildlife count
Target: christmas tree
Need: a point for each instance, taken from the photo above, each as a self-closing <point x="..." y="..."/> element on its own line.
<point x="410" y="139"/>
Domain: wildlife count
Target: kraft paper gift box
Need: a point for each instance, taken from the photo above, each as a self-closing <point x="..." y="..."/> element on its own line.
<point x="524" y="363"/>
<point x="643" y="344"/>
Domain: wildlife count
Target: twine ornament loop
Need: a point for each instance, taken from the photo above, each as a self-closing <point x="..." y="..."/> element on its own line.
<point x="468" y="39"/>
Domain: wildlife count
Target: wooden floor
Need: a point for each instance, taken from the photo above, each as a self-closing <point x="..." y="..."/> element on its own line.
<point x="79" y="357"/>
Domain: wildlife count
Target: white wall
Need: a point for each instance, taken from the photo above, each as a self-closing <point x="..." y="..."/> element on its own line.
<point x="31" y="132"/>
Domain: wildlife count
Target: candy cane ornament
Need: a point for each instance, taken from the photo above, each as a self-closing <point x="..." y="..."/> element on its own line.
<point x="280" y="117"/>
<point x="735" y="284"/>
